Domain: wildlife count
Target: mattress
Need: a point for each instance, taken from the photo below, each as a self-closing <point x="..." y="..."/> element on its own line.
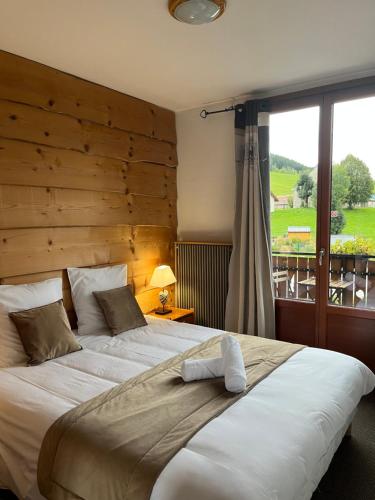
<point x="274" y="443"/>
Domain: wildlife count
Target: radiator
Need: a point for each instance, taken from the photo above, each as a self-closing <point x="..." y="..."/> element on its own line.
<point x="202" y="280"/>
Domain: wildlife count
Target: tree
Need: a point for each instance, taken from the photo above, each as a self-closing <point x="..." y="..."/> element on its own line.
<point x="305" y="186"/>
<point x="361" y="184"/>
<point x="337" y="221"/>
<point x="339" y="192"/>
<point x="279" y="162"/>
<point x="340" y="187"/>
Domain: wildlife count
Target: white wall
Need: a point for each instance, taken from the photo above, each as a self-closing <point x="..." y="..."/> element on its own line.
<point x="205" y="176"/>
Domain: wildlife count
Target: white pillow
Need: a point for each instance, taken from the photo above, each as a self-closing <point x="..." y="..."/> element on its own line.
<point x="83" y="282"/>
<point x="15" y="298"/>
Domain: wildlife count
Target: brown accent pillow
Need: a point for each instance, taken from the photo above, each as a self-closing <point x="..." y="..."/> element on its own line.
<point x="45" y="332"/>
<point x="120" y="309"/>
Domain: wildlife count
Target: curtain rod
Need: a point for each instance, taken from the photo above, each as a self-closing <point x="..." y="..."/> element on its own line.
<point x="204" y="113"/>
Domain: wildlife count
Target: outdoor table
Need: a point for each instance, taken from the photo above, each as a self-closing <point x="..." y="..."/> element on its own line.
<point x="336" y="285"/>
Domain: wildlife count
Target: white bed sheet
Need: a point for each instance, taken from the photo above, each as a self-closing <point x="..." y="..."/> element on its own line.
<point x="274" y="443"/>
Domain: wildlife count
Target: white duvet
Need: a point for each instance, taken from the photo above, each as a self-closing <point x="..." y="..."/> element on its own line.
<point x="274" y="443"/>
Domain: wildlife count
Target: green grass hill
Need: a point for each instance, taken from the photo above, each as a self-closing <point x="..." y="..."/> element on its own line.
<point x="283" y="183"/>
<point x="360" y="222"/>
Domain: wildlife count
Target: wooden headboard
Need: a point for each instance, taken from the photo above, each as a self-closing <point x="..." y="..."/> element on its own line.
<point x="87" y="178"/>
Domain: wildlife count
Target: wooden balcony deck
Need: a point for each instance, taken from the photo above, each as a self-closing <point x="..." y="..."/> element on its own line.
<point x="352" y="278"/>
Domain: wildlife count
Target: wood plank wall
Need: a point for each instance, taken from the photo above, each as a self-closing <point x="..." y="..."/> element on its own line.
<point x="87" y="178"/>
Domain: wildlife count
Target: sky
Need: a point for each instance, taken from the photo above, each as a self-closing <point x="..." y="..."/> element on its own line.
<point x="294" y="134"/>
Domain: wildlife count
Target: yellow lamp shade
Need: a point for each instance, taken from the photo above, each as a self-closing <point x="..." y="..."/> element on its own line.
<point x="162" y="276"/>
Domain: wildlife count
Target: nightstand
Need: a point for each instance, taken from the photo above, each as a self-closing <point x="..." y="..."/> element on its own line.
<point x="180" y="315"/>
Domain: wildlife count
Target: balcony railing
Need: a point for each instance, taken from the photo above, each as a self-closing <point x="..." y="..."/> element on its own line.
<point x="352" y="278"/>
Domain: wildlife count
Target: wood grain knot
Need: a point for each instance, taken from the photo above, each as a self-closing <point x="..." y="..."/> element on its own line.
<point x="46" y="134"/>
<point x="13" y="117"/>
<point x="51" y="102"/>
<point x="87" y="148"/>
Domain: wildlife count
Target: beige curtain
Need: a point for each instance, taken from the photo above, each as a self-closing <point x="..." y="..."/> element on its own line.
<point x="250" y="302"/>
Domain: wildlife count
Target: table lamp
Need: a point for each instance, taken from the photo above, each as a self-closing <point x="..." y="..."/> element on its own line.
<point x="162" y="277"/>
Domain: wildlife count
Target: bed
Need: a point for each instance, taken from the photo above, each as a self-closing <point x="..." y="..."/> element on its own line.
<point x="274" y="443"/>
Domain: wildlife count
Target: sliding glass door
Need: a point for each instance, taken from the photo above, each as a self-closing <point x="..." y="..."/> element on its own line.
<point x="323" y="217"/>
<point x="294" y="151"/>
<point x="352" y="228"/>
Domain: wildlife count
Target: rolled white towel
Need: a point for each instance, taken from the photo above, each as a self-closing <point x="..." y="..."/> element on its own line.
<point x="199" y="369"/>
<point x="234" y="368"/>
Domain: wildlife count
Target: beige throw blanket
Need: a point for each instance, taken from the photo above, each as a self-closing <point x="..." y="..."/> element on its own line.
<point x="116" y="445"/>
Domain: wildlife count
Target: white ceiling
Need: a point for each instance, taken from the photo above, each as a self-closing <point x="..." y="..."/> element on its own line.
<point x="134" y="46"/>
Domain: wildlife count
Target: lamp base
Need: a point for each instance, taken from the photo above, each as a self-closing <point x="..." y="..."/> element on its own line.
<point x="160" y="310"/>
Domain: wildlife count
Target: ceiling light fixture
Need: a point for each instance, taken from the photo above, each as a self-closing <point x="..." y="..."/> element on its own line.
<point x="196" y="11"/>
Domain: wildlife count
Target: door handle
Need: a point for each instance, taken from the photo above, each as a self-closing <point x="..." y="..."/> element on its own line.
<point x="322" y="253"/>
